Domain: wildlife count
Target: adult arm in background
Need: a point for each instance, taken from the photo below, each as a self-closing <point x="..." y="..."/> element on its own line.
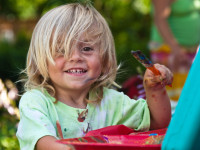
<point x="162" y="11"/>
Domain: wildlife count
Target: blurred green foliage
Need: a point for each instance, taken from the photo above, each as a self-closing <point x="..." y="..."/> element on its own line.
<point x="13" y="56"/>
<point x="129" y="21"/>
<point x="8" y="140"/>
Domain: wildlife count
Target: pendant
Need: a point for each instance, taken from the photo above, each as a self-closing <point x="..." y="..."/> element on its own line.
<point x="82" y="116"/>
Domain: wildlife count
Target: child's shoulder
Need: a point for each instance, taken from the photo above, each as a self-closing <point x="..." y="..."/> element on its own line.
<point x="111" y="91"/>
<point x="33" y="93"/>
<point x="107" y="92"/>
<point x="35" y="96"/>
<point x="115" y="99"/>
<point x="117" y="95"/>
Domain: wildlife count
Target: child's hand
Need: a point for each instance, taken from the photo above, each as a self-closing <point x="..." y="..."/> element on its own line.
<point x="155" y="82"/>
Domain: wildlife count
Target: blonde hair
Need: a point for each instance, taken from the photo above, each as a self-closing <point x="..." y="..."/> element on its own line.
<point x="56" y="31"/>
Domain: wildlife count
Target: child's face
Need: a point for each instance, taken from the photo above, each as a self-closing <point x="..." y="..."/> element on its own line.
<point x="78" y="72"/>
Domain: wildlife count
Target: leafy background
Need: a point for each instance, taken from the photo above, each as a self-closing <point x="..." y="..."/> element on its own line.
<point x="129" y="21"/>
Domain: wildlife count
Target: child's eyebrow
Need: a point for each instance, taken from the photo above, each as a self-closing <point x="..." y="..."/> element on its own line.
<point x="85" y="40"/>
<point x="91" y="42"/>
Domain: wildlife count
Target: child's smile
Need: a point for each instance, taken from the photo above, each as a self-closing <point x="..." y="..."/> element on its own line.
<point x="76" y="71"/>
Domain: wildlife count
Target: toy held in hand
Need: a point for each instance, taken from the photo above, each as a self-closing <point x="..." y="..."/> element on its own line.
<point x="139" y="56"/>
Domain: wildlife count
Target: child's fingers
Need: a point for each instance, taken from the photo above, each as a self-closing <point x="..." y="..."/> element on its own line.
<point x="166" y="75"/>
<point x="153" y="81"/>
<point x="159" y="81"/>
<point x="168" y="80"/>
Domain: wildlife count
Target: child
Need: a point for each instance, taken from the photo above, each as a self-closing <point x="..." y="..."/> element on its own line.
<point x="71" y="62"/>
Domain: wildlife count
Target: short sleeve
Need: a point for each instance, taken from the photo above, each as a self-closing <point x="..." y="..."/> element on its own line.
<point x="135" y="114"/>
<point x="123" y="110"/>
<point x="34" y="122"/>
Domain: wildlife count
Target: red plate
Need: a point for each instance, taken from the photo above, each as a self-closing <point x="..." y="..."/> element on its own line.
<point x="138" y="141"/>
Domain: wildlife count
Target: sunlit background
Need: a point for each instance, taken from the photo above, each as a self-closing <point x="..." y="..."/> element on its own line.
<point x="129" y="21"/>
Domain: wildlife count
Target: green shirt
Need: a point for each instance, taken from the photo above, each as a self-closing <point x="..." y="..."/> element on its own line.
<point x="184" y="21"/>
<point x="39" y="113"/>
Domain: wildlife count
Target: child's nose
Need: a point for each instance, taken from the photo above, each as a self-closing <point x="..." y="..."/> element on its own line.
<point x="76" y="56"/>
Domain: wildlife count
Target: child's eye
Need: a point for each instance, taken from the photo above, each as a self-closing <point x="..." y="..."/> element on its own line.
<point x="87" y="49"/>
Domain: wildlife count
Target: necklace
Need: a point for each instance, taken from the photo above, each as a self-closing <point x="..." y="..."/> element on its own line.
<point x="82" y="116"/>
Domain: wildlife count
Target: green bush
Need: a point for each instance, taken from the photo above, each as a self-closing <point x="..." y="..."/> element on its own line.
<point x="8" y="127"/>
<point x="13" y="56"/>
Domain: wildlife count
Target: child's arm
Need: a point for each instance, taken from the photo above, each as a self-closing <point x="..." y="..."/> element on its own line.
<point x="157" y="98"/>
<point x="49" y="142"/>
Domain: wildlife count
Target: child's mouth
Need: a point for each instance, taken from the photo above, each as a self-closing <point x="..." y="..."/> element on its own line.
<point x="76" y="71"/>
